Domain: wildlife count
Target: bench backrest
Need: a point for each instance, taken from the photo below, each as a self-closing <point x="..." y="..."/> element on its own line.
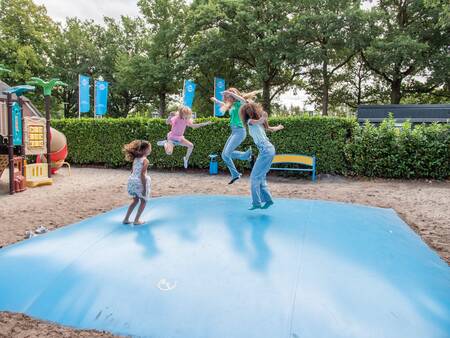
<point x="297" y="159"/>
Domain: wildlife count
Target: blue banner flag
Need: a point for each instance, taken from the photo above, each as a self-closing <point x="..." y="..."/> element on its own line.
<point x="17" y="124"/>
<point x="219" y="87"/>
<point x="84" y="94"/>
<point x="101" y="97"/>
<point x="188" y="93"/>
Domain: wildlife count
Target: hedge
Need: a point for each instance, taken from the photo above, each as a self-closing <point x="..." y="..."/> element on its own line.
<point x="340" y="145"/>
<point x="99" y="141"/>
<point x="407" y="152"/>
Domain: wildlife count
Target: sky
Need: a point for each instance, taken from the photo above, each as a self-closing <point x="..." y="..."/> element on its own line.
<point x="58" y="10"/>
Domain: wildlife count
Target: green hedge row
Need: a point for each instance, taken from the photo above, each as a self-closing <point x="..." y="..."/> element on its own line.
<point x="406" y="152"/>
<point x="99" y="141"/>
<point x="340" y="145"/>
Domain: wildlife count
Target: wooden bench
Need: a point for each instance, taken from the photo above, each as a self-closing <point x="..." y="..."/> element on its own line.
<point x="308" y="161"/>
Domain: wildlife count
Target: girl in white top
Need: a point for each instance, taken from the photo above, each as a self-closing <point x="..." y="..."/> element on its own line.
<point x="138" y="182"/>
<point x="255" y="117"/>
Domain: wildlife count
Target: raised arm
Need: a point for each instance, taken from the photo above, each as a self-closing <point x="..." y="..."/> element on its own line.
<point x="261" y="120"/>
<point x="213" y="99"/>
<point x="236" y="96"/>
<point x="199" y="125"/>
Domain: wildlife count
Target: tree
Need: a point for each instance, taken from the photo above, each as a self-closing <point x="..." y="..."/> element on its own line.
<point x="26" y="34"/>
<point x="331" y="33"/>
<point x="408" y="44"/>
<point x="255" y="34"/>
<point x="355" y="84"/>
<point x="75" y="51"/>
<point x="157" y="70"/>
<point x="117" y="41"/>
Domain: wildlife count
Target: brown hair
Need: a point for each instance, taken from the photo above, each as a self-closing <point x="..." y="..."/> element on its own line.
<point x="252" y="110"/>
<point x="136" y="149"/>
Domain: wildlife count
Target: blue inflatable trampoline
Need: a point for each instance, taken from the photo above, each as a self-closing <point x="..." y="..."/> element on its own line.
<point x="206" y="267"/>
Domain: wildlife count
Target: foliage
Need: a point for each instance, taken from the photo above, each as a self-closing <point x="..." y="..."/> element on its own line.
<point x="339" y="53"/>
<point x="99" y="141"/>
<point x="407" y="44"/>
<point x="406" y="152"/>
<point x="332" y="32"/>
<point x="255" y="35"/>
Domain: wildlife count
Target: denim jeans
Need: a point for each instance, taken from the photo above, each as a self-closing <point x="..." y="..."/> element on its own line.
<point x="229" y="152"/>
<point x="259" y="188"/>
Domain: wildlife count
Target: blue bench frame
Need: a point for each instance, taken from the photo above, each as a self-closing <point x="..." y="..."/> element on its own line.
<point x="284" y="159"/>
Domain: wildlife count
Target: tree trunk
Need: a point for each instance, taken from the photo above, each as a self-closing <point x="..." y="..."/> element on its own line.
<point x="396" y="94"/>
<point x="325" y="88"/>
<point x="266" y="96"/>
<point x="67" y="105"/>
<point x="162" y="104"/>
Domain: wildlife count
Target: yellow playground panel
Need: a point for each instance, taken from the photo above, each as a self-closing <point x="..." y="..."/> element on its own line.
<point x="35" y="135"/>
<point x="36" y="175"/>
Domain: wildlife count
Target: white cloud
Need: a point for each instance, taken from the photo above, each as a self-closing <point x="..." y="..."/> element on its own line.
<point x="58" y="10"/>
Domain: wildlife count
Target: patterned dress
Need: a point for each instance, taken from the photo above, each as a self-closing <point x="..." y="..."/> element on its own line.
<point x="135" y="187"/>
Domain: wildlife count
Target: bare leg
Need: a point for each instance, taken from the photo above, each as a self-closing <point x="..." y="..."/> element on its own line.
<point x="190" y="148"/>
<point x="133" y="204"/>
<point x="168" y="147"/>
<point x="140" y="211"/>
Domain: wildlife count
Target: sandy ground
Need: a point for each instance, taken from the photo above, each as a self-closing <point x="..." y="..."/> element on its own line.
<point x="424" y="205"/>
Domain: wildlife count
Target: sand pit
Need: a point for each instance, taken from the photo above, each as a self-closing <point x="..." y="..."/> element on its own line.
<point x="422" y="204"/>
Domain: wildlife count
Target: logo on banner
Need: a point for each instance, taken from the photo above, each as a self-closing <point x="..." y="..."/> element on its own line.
<point x="219" y="86"/>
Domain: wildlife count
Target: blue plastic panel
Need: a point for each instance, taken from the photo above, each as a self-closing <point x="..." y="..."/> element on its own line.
<point x="17" y="124"/>
<point x="206" y="267"/>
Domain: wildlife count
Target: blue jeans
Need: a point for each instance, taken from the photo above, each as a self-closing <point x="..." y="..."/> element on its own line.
<point x="259" y="188"/>
<point x="238" y="135"/>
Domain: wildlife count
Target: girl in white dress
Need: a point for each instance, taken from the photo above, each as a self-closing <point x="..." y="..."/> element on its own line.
<point x="138" y="182"/>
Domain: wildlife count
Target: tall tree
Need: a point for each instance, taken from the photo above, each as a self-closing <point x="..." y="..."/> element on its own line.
<point x="75" y="52"/>
<point x="256" y="35"/>
<point x="26" y="35"/>
<point x="119" y="40"/>
<point x="157" y="69"/>
<point x="331" y="33"/>
<point x="407" y="42"/>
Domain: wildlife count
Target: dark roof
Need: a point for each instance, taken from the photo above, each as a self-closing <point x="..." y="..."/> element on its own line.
<point x="402" y="112"/>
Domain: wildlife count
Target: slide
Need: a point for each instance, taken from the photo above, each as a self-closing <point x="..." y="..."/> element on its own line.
<point x="58" y="148"/>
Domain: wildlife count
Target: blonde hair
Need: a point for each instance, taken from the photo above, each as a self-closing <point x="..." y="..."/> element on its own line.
<point x="136" y="149"/>
<point x="247" y="96"/>
<point x="185" y="112"/>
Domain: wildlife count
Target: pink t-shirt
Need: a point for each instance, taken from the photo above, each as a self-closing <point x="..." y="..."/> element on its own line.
<point x="178" y="127"/>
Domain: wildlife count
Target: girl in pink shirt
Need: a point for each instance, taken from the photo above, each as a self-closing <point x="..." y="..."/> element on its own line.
<point x="179" y="121"/>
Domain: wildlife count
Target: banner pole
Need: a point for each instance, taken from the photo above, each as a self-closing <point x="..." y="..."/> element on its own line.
<point x="214" y="92"/>
<point x="79" y="96"/>
<point x="95" y="99"/>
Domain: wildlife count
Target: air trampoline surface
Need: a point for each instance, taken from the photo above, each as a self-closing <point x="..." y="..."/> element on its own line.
<point x="206" y="267"/>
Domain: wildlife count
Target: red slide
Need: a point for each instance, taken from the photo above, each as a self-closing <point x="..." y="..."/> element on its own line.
<point x="58" y="148"/>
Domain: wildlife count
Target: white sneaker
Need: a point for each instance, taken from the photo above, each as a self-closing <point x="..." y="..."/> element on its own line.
<point x="161" y="143"/>
<point x="41" y="230"/>
<point x="185" y="162"/>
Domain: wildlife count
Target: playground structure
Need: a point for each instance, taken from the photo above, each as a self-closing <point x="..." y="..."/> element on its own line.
<point x="28" y="135"/>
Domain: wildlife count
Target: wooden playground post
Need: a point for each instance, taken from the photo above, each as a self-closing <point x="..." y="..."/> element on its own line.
<point x="47" y="117"/>
<point x="10" y="143"/>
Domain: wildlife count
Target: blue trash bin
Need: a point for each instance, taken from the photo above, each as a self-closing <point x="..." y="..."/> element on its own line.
<point x="213" y="164"/>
